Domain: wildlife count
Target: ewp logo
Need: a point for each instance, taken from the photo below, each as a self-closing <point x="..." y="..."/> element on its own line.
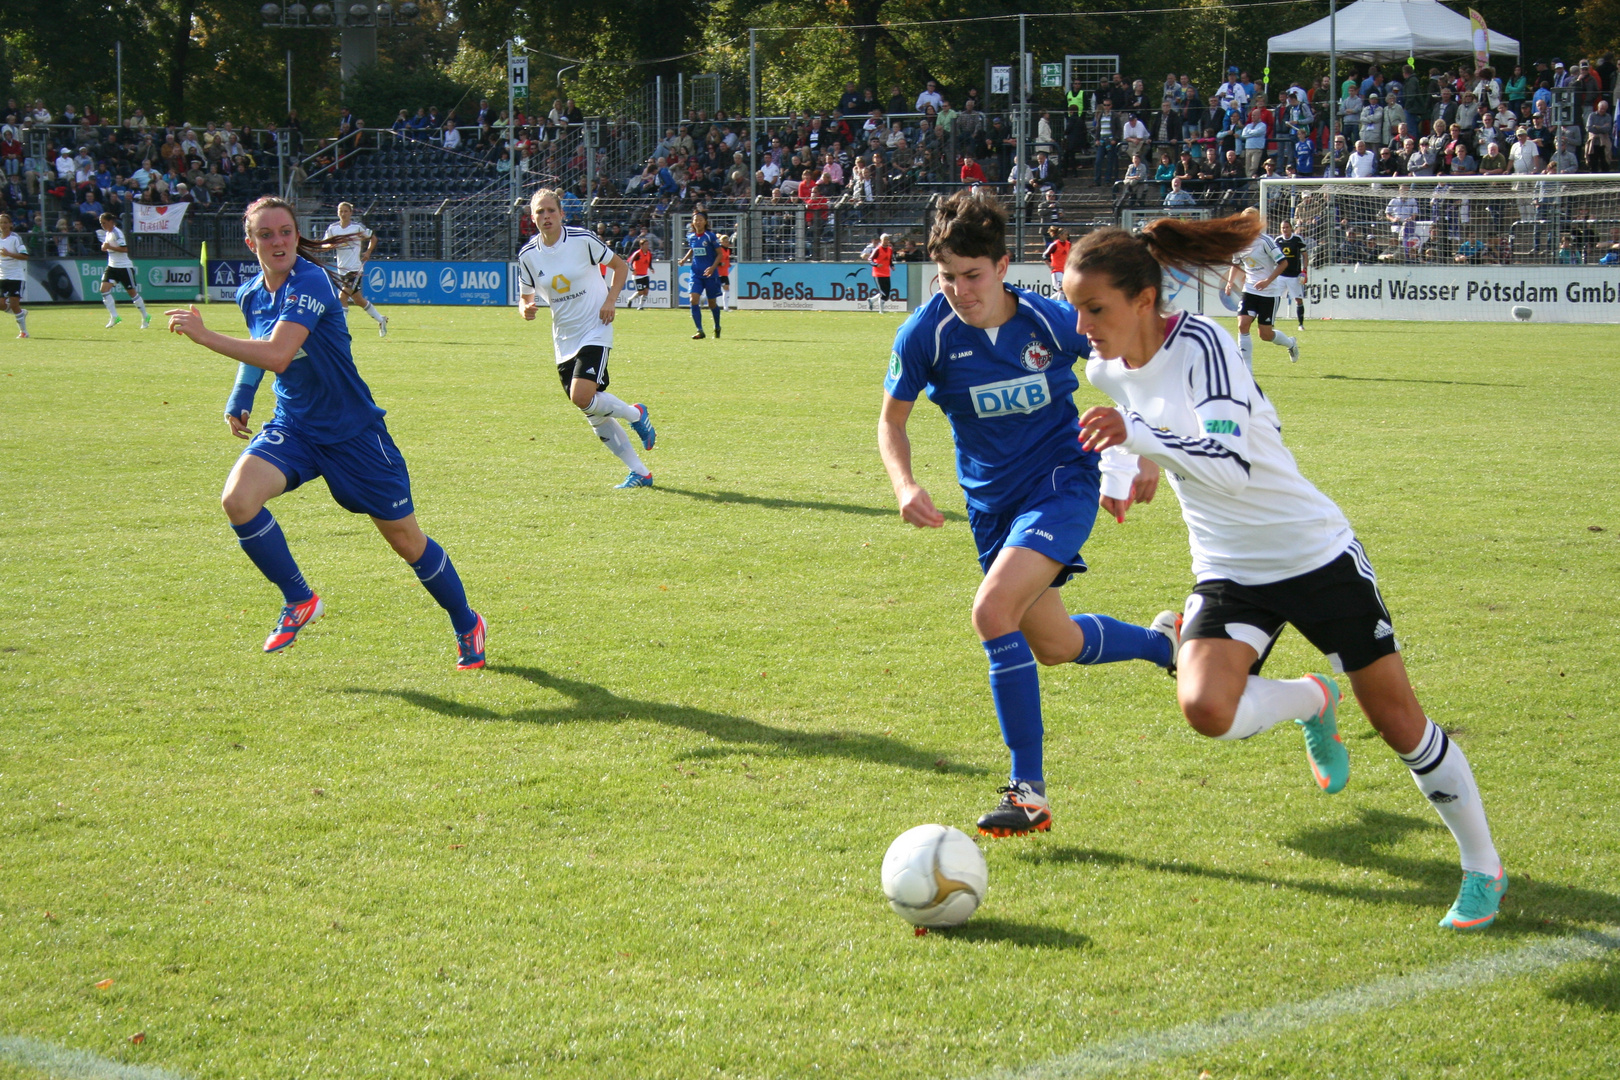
<point x="1011" y="396"/>
<point x="447" y="279"/>
<point x="376" y="279"/>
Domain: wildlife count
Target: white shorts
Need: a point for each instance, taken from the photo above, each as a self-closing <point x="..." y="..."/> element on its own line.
<point x="1057" y="281"/>
<point x="1293" y="288"/>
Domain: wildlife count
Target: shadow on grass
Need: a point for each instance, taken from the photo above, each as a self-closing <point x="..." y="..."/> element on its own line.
<point x="1024" y="935"/>
<point x="592" y="702"/>
<point x="796" y="504"/>
<point x="1426" y="382"/>
<point x="1531" y="907"/>
<point x="1599" y="989"/>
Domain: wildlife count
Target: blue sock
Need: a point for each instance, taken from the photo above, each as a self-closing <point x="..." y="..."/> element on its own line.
<point x="697" y="318"/>
<point x="438" y="576"/>
<point x="1109" y="640"/>
<point x="716" y="313"/>
<point x="1015" y="687"/>
<point x="266" y="545"/>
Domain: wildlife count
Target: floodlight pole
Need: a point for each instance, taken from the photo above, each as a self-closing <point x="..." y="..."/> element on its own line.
<point x="1018" y="140"/>
<point x="1333" y="82"/>
<point x="511" y="137"/>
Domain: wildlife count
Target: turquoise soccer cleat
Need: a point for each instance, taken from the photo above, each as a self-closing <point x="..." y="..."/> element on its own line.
<point x="635" y="480"/>
<point x="1477" y="901"/>
<point x="1330" y="761"/>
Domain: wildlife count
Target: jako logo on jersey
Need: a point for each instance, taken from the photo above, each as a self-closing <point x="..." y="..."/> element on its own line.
<point x="962" y="354"/>
<point x="1011" y="396"/>
<point x="560" y="283"/>
<point x="447" y="279"/>
<point x="1222" y="427"/>
<point x="1041" y="534"/>
<point x="1036" y="357"/>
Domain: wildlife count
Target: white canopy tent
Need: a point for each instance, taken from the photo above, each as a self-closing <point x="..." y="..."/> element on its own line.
<point x="1379" y="30"/>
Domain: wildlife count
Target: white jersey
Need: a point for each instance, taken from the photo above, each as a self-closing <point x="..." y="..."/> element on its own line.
<point x="117" y="260"/>
<point x="568" y="276"/>
<point x="348" y="253"/>
<point x="1195" y="410"/>
<point x="13" y="269"/>
<point x="1259" y="261"/>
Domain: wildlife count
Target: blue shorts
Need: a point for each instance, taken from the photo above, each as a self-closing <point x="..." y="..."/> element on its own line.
<point x="703" y="285"/>
<point x="1055" y="519"/>
<point x="365" y="474"/>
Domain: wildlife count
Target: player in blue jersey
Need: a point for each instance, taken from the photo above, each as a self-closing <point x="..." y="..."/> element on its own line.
<point x="702" y="251"/>
<point x="999" y="362"/>
<point x="325" y="424"/>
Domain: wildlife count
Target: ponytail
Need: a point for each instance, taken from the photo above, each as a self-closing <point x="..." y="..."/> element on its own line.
<point x="1134" y="263"/>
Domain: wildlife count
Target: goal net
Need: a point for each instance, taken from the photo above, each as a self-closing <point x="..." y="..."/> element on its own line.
<point x="1466" y="248"/>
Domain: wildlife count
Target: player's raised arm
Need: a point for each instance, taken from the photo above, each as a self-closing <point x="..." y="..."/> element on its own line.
<point x="894" y="446"/>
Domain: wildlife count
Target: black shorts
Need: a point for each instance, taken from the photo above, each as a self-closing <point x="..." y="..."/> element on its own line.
<point x="589" y="363"/>
<point x="11" y="288"/>
<point x="883" y="285"/>
<point x="121" y="275"/>
<point x="349" y="280"/>
<point x="1337" y="607"/>
<point x="643" y="283"/>
<point x="1263" y="308"/>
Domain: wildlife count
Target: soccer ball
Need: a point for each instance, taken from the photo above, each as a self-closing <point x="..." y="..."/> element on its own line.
<point x="934" y="875"/>
<point x="1522" y="313"/>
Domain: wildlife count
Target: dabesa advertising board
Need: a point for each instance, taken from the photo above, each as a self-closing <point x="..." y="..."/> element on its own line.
<point x="811" y="286"/>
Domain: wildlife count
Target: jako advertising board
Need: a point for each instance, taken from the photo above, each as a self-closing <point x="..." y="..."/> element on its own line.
<point x="64" y="281"/>
<point x="658" y="294"/>
<point x="1465" y="293"/>
<point x="810" y="286"/>
<point x="482" y="283"/>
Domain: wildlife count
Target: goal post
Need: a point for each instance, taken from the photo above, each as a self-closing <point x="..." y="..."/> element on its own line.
<point x="1463" y="248"/>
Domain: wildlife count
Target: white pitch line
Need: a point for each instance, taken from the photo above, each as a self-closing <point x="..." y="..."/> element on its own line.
<point x="1109" y="1059"/>
<point x="77" y="1064"/>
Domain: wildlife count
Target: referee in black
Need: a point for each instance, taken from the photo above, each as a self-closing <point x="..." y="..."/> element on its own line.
<point x="1293" y="272"/>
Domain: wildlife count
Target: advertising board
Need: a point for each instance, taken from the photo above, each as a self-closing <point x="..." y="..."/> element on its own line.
<point x="1465" y="293"/>
<point x="64" y="281"/>
<point x="465" y="283"/>
<point x="810" y="286"/>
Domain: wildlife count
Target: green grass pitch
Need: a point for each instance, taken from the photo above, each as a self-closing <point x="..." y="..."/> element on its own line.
<point x="645" y="841"/>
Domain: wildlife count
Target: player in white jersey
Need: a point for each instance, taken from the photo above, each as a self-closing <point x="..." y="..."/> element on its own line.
<point x="120" y="271"/>
<point x="565" y="265"/>
<point x="1260" y="264"/>
<point x="1268" y="548"/>
<point x="352" y="244"/>
<point x="13" y="274"/>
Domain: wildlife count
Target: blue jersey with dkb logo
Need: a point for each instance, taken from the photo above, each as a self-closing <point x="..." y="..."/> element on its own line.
<point x="320" y="395"/>
<point x="1009" y="399"/>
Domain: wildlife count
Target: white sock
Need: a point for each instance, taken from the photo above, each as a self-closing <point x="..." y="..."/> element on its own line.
<point x="1268" y="702"/>
<point x="1282" y="339"/>
<point x="613" y="437"/>
<point x="1443" y="775"/>
<point x="373" y="312"/>
<point x="140" y="305"/>
<point x="605" y="404"/>
<point x="1246" y="348"/>
<point x="111" y="304"/>
<point x="22" y="320"/>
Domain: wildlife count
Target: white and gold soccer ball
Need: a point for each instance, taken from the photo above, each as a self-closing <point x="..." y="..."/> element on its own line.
<point x="934" y="876"/>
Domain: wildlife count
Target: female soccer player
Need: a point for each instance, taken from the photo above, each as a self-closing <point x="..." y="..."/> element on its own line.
<point x="1268" y="548"/>
<point x="1000" y="362"/>
<point x="641" y="266"/>
<point x="13" y="274"/>
<point x="1259" y="264"/>
<point x="701" y="249"/>
<point x="565" y="264"/>
<point x="120" y="271"/>
<point x="1057" y="256"/>
<point x="880" y="253"/>
<point x="325" y="424"/>
<point x="347" y="237"/>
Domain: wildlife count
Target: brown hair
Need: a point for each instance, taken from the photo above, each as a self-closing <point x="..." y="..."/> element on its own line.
<point x="309" y="249"/>
<point x="1134" y="263"/>
<point x="970" y="225"/>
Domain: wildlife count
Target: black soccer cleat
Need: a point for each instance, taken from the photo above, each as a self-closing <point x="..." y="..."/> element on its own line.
<point x="1022" y="810"/>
